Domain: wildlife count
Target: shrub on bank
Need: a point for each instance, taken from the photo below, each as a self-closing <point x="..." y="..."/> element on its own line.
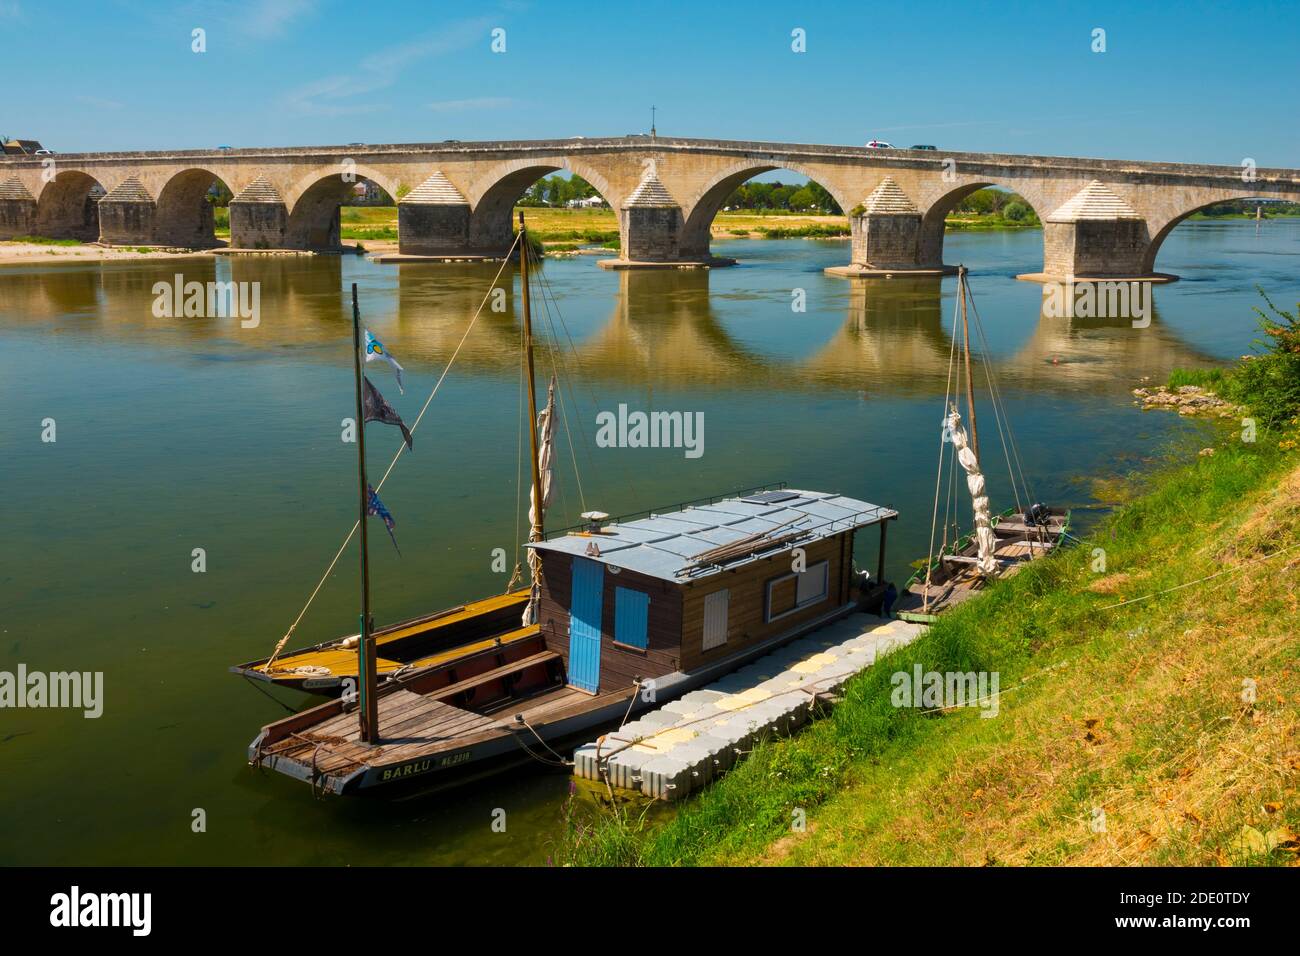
<point x="1266" y="383"/>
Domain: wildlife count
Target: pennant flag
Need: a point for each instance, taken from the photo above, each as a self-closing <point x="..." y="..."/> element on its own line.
<point x="377" y="409"/>
<point x="376" y="508"/>
<point x="375" y="352"/>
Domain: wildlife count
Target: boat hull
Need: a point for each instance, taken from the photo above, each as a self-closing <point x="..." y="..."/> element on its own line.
<point x="951" y="576"/>
<point x="507" y="743"/>
<point x="325" y="668"/>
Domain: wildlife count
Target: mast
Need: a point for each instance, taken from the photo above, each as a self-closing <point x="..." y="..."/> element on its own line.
<point x="369" y="709"/>
<point x="970" y="381"/>
<point x="535" y="532"/>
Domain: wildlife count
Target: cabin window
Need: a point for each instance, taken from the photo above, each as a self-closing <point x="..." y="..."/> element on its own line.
<point x="631" y="618"/>
<point x="793" y="592"/>
<point x="715" y="618"/>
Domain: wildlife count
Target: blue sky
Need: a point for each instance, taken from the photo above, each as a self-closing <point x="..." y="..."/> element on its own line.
<point x="1192" y="82"/>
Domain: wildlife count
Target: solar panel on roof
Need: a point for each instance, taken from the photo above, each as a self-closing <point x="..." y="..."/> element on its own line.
<point x="667" y="545"/>
<point x="769" y="497"/>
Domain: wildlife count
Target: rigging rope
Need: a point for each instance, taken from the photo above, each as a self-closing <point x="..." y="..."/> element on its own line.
<point x="938" y="478"/>
<point x="517" y="574"/>
<point x="999" y="411"/>
<point x="400" y="448"/>
<point x="548" y="291"/>
<point x="557" y="356"/>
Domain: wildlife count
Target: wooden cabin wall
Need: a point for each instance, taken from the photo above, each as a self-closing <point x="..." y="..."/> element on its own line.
<point x="746" y="623"/>
<point x="618" y="663"/>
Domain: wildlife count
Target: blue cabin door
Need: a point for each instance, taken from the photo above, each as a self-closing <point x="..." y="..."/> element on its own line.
<point x="585" y="607"/>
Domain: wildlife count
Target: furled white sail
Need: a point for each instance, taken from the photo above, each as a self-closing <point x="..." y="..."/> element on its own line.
<point x="545" y="460"/>
<point x="984" y="537"/>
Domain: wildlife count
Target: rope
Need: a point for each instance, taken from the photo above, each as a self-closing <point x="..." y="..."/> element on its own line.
<point x="999" y="414"/>
<point x="549" y="292"/>
<point x="559" y="761"/>
<point x="263" y="690"/>
<point x="631" y="700"/>
<point x="1208" y="577"/>
<point x="400" y="448"/>
<point x="518" y="573"/>
<point x="938" y="477"/>
<point x="556" y="355"/>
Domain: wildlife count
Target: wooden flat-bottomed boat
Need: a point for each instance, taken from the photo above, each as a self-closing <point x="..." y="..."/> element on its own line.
<point x="998" y="546"/>
<point x="631" y="616"/>
<point x="409" y="645"/>
<point x="953" y="577"/>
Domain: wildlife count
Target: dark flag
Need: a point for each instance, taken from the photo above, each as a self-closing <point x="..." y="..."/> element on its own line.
<point x="376" y="508"/>
<point x="377" y="409"/>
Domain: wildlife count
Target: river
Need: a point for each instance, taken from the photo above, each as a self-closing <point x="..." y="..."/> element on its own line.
<point x="181" y="434"/>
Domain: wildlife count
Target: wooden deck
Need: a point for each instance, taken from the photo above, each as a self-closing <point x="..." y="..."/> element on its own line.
<point x="417" y="726"/>
<point x="411" y="725"/>
<point x="955" y="579"/>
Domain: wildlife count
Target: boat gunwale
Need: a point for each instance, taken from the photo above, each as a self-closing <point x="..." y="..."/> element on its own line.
<point x="252" y="669"/>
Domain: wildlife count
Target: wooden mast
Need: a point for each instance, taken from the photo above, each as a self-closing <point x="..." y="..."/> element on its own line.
<point x="970" y="381"/>
<point x="535" y="532"/>
<point x="369" y="709"/>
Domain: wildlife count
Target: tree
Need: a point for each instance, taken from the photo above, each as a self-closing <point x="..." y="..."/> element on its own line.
<point x="1015" y="211"/>
<point x="822" y="199"/>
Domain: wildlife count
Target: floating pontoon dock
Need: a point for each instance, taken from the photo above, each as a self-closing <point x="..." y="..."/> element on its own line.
<point x="683" y="745"/>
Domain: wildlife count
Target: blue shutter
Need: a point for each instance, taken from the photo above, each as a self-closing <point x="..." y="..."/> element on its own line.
<point x="631" y="617"/>
<point x="585" y="606"/>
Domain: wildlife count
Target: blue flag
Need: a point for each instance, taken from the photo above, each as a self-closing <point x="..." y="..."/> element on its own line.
<point x="375" y="352"/>
<point x="376" y="508"/>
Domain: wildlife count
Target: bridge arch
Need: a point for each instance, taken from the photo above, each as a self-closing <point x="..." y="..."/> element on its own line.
<point x="935" y="218"/>
<point x="313" y="214"/>
<point x="1162" y="233"/>
<point x="68" y="207"/>
<point x="493" y="198"/>
<point x="185" y="214"/>
<point x="702" y="208"/>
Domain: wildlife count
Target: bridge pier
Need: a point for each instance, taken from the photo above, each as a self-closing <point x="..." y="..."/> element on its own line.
<point x="433" y="220"/>
<point x="1095" y="235"/>
<point x="650" y="233"/>
<point x="17" y="210"/>
<point x="258" y="218"/>
<point x="887" y="230"/>
<point x="127" y="214"/>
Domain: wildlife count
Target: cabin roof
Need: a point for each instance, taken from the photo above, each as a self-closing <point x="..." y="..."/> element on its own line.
<point x="669" y="545"/>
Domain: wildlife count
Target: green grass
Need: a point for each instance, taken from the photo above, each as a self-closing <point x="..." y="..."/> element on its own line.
<point x="976" y="223"/>
<point x="804" y="232"/>
<point x="1021" y="628"/>
<point x="1121" y="690"/>
<point x="1210" y="379"/>
<point x="45" y="241"/>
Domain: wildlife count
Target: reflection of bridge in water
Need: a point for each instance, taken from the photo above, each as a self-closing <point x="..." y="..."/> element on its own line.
<point x="663" y="327"/>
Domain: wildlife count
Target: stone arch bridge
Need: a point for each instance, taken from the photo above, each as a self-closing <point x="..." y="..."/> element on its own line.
<point x="1102" y="218"/>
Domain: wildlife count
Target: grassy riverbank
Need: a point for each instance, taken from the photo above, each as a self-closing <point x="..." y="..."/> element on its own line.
<point x="1148" y="710"/>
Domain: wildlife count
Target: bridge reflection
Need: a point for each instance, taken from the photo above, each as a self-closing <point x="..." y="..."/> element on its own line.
<point x="655" y="327"/>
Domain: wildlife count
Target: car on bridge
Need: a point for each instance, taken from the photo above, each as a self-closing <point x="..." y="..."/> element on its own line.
<point x="922" y="147"/>
<point x="879" y="144"/>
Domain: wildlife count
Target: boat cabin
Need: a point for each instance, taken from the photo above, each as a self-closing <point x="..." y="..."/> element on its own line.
<point x="682" y="590"/>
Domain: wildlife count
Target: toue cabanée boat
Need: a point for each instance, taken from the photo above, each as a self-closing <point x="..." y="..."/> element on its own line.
<point x="619" y="616"/>
<point x="631" y="615"/>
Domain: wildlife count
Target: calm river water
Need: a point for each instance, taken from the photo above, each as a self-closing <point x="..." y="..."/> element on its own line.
<point x="176" y="434"/>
